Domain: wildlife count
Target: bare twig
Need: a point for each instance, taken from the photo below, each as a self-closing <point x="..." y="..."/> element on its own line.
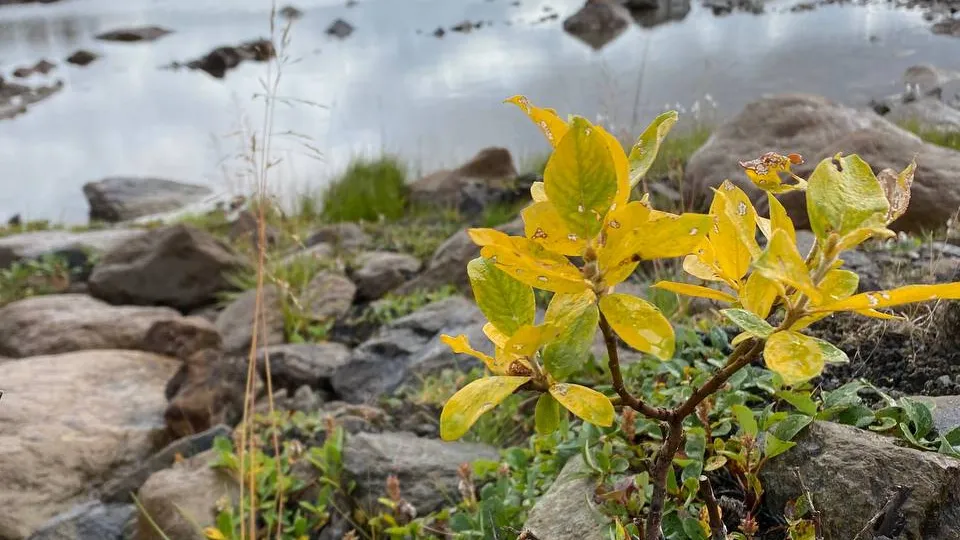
<point x="814" y="513"/>
<point x="626" y="398"/>
<point x="717" y="528"/>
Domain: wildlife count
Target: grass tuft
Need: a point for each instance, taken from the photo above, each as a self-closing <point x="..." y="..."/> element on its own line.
<point x="947" y="139"/>
<point x="369" y="190"/>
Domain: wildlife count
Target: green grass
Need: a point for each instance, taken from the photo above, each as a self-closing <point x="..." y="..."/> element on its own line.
<point x="947" y="139"/>
<point x="369" y="190"/>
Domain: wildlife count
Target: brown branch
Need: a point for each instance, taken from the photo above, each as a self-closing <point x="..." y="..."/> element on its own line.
<point x="814" y="513"/>
<point x="745" y="353"/>
<point x="717" y="528"/>
<point x="626" y="398"/>
<point x="661" y="466"/>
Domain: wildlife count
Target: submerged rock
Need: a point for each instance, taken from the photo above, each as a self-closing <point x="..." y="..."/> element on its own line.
<point x="598" y="22"/>
<point x="82" y="57"/>
<point x="133" y="34"/>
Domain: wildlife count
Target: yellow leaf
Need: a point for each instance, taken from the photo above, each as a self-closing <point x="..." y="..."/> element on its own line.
<point x="794" y="356"/>
<point x="212" y="533"/>
<point x="640" y="324"/>
<point x="644" y="151"/>
<point x="764" y="225"/>
<point x="581" y="179"/>
<point x="621" y="165"/>
<point x="695" y="290"/>
<point x="731" y="234"/>
<point x="564" y="307"/>
<point x="466" y="406"/>
<point x="780" y="220"/>
<point x="859" y="236"/>
<point x="529" y="262"/>
<point x="765" y="171"/>
<point x="671" y="235"/>
<point x="537" y="193"/>
<point x="895" y="297"/>
<point x="703" y="263"/>
<point x="489" y="237"/>
<point x="758" y="294"/>
<point x="588" y="404"/>
<point x="615" y="259"/>
<point x="543" y="224"/>
<point x="461" y="345"/>
<point x="498" y="338"/>
<point x="896" y="188"/>
<point x="552" y="126"/>
<point x="837" y="284"/>
<point x="781" y="262"/>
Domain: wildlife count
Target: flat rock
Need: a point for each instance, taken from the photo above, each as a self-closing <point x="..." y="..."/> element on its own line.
<point x="303" y="364"/>
<point x="928" y="113"/>
<point x="426" y="468"/>
<point x="138" y="33"/>
<point x="72" y="322"/>
<point x="851" y="473"/>
<point x="328" y="296"/>
<point x="184" y="497"/>
<point x="127" y="198"/>
<point x="88" y="521"/>
<point x="235" y="322"/>
<point x="379" y="272"/>
<point x="817" y="129"/>
<point x="565" y="512"/>
<point x="177" y="266"/>
<point x="71" y="423"/>
<point x="32" y="245"/>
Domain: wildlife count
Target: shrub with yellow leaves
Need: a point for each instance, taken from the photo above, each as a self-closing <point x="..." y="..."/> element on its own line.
<point x="582" y="212"/>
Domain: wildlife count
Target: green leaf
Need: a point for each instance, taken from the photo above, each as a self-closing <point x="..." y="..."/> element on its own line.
<point x="781" y="262"/>
<point x="580" y="179"/>
<point x="773" y="446"/>
<point x="919" y="415"/>
<point x="953" y="436"/>
<point x="507" y="303"/>
<point x="800" y="401"/>
<point x="748" y="423"/>
<point x="466" y="406"/>
<point x="644" y="151"/>
<point x="788" y="428"/>
<point x="844" y="396"/>
<point x="640" y="324"/>
<point x="749" y="322"/>
<point x="845" y="198"/>
<point x="793" y="356"/>
<point x="831" y="354"/>
<point x="588" y="404"/>
<point x="577" y="316"/>
<point x="547" y="414"/>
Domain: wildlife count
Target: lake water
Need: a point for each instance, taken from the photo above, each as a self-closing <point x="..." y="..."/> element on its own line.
<point x="393" y="87"/>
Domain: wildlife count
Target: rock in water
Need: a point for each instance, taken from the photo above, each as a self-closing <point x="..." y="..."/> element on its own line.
<point x="71" y="423"/>
<point x="139" y="33"/>
<point x="127" y="198"/>
<point x="598" y="22"/>
<point x="851" y="473"/>
<point x="222" y="59"/>
<point x="817" y="128"/>
<point x="82" y="57"/>
<point x="340" y="29"/>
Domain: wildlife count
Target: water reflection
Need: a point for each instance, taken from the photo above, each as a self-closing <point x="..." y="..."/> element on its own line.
<point x="388" y="88"/>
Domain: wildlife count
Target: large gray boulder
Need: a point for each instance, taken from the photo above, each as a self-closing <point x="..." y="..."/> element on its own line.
<point x="70" y="424"/>
<point x="124" y="198"/>
<point x="74" y="322"/>
<point x="817" y="129"/>
<point x="177" y="266"/>
<point x="32" y="245"/>
<point x="851" y="473"/>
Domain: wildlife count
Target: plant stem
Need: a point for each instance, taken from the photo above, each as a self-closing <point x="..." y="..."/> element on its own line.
<point x="661" y="466"/>
<point x="626" y="397"/>
<point x="717" y="528"/>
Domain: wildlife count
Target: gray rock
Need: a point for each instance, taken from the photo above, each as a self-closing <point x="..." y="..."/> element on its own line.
<point x="664" y="12"/>
<point x="125" y="198"/>
<point x="177" y="266"/>
<point x="851" y="473"/>
<point x="15" y="99"/>
<point x="426" y="468"/>
<point x="379" y="272"/>
<point x="32" y="245"/>
<point x="567" y="510"/>
<point x="329" y="295"/>
<point x="235" y="322"/>
<point x="82" y="57"/>
<point x="344" y="235"/>
<point x="138" y="33"/>
<point x="310" y="364"/>
<point x="70" y="424"/>
<point x="182" y="337"/>
<point x="947" y="27"/>
<point x="946" y="410"/>
<point x="817" y="129"/>
<point x="928" y="113"/>
<point x="64" y="323"/>
<point x="598" y="22"/>
<point x="448" y="264"/>
<point x="488" y="178"/>
<point x="184" y="497"/>
<point x="340" y="28"/>
<point x="89" y="521"/>
<point x="381" y="363"/>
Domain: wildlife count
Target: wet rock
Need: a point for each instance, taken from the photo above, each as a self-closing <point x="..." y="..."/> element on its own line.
<point x="71" y="423"/>
<point x="138" y="33"/>
<point x="466" y="27"/>
<point x="15" y="99"/>
<point x="379" y="272"/>
<point x="448" y="264"/>
<point x="340" y="29"/>
<point x="33" y="245"/>
<point x="381" y="363"/>
<point x="82" y="57"/>
<point x="126" y="198"/>
<point x="817" y="129"/>
<point x="177" y="266"/>
<point x="343" y="236"/>
<point x="566" y="511"/>
<point x="426" y="468"/>
<point x="222" y="59"/>
<point x="71" y="322"/>
<point x="928" y="113"/>
<point x="121" y="490"/>
<point x="851" y="473"/>
<point x="598" y="22"/>
<point x="328" y="296"/>
<point x="303" y="364"/>
<point x="184" y="497"/>
<point x="88" y="521"/>
<point x="235" y="322"/>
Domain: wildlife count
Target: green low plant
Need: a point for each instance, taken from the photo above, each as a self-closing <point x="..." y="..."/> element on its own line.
<point x="33" y="277"/>
<point x="582" y="210"/>
<point x="393" y="306"/>
<point x="367" y="191"/>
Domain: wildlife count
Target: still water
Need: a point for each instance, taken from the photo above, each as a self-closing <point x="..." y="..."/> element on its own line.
<point x="392" y="86"/>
